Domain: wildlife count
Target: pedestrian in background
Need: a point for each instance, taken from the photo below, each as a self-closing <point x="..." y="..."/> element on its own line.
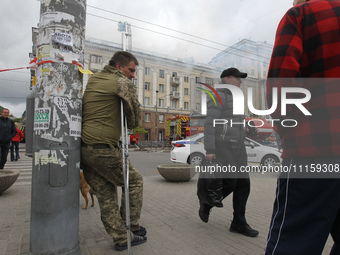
<point x="307" y="208"/>
<point x="7" y="132"/>
<point x="101" y="157"/>
<point x="15" y="143"/>
<point x="226" y="144"/>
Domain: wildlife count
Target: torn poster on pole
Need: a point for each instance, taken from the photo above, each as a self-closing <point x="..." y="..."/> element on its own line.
<point x="62" y="38"/>
<point x="42" y="118"/>
<point x="75" y="126"/>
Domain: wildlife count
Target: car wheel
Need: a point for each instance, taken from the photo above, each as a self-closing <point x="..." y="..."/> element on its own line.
<point x="195" y="159"/>
<point x="269" y="160"/>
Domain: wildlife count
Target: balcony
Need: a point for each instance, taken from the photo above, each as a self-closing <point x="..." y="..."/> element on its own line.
<point x="175" y="95"/>
<point x="174" y="81"/>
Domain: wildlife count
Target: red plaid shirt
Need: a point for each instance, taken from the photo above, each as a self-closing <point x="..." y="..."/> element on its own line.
<point x="307" y="45"/>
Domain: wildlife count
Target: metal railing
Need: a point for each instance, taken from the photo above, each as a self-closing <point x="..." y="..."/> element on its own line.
<point x="154" y="144"/>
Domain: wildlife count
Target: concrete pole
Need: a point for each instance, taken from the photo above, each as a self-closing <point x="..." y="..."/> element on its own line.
<point x="57" y="129"/>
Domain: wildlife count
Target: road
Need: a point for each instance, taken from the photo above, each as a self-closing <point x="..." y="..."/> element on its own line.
<point x="144" y="161"/>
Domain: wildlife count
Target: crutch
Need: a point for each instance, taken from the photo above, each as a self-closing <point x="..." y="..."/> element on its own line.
<point x="125" y="154"/>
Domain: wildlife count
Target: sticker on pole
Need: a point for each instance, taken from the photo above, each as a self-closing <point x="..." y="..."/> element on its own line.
<point x="75" y="126"/>
<point x="62" y="38"/>
<point x="42" y="118"/>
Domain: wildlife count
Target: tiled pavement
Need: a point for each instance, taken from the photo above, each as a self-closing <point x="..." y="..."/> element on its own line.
<point x="169" y="214"/>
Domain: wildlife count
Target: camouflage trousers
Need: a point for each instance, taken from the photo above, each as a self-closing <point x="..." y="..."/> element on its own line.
<point x="103" y="172"/>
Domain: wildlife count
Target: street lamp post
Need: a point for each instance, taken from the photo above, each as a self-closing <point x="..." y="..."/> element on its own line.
<point x="156" y="132"/>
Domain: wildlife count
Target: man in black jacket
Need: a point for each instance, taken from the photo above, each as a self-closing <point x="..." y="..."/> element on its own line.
<point x="225" y="143"/>
<point x="7" y="132"/>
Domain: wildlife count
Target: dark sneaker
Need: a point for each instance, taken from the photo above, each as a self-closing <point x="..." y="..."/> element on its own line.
<point x="244" y="229"/>
<point x="135" y="241"/>
<point x="140" y="232"/>
<point x="204" y="212"/>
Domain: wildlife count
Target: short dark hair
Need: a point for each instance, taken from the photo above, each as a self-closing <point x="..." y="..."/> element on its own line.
<point x="123" y="58"/>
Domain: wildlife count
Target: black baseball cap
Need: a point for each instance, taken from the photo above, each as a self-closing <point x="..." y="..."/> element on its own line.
<point x="234" y="72"/>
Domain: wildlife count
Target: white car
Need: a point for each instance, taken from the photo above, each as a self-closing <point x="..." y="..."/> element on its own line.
<point x="191" y="150"/>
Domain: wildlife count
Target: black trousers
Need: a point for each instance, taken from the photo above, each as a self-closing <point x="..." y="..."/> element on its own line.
<point x="306" y="210"/>
<point x="236" y="182"/>
<point x="4" y="148"/>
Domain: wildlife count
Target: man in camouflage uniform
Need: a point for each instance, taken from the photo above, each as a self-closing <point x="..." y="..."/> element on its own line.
<point x="101" y="158"/>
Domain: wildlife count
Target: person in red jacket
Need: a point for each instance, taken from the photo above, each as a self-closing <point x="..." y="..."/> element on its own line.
<point x="15" y="143"/>
<point x="306" y="55"/>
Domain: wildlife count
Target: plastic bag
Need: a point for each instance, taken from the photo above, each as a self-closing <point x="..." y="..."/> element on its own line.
<point x="209" y="186"/>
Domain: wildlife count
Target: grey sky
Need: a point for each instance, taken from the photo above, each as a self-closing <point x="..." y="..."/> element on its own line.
<point x="225" y="22"/>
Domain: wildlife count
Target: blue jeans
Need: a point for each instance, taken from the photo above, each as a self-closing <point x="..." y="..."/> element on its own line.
<point x="15" y="147"/>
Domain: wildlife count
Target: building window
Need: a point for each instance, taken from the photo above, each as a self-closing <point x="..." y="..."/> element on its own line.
<point x="174" y="89"/>
<point x="186" y="91"/>
<point x="147" y="135"/>
<point x="161" y="102"/>
<point x="252" y="72"/>
<point x="161" y="73"/>
<point x="197" y="93"/>
<point x="147" y="70"/>
<point x="146" y="100"/>
<point x="174" y="103"/>
<point x="161" y="118"/>
<point x="161" y="135"/>
<point x="147" y="117"/>
<point x="186" y="79"/>
<point x="174" y="74"/>
<point x="96" y="59"/>
<point x="209" y="81"/>
<point x="161" y="87"/>
<point x="198" y="107"/>
<point x="186" y="105"/>
<point x="264" y="74"/>
<point x="147" y="86"/>
<point x="198" y="79"/>
<point x="264" y="64"/>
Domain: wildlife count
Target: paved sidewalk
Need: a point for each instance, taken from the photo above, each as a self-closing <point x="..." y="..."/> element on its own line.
<point x="169" y="214"/>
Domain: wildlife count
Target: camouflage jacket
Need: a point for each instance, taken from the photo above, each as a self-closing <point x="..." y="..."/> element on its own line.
<point x="101" y="121"/>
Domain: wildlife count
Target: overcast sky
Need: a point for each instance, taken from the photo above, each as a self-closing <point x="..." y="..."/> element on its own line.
<point x="224" y="22"/>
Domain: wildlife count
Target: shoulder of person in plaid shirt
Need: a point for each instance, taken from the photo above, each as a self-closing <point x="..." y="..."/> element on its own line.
<point x="307" y="45"/>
